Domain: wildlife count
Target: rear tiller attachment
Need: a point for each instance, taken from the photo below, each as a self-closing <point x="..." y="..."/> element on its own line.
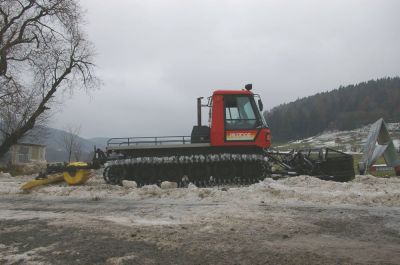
<point x="325" y="163"/>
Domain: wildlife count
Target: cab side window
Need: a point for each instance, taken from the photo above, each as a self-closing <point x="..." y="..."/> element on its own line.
<point x="239" y="113"/>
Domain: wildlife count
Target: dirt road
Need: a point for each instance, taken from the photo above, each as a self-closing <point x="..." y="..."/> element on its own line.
<point x="247" y="225"/>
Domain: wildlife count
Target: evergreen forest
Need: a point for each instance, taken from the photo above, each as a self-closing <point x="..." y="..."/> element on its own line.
<point x="344" y="108"/>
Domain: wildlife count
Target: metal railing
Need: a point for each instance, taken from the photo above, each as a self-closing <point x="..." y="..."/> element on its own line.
<point x="159" y="140"/>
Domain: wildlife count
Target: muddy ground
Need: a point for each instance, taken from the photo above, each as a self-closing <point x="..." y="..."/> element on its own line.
<point x="248" y="225"/>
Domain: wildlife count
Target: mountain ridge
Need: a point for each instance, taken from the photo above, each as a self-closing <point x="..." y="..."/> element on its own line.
<point x="344" y="108"/>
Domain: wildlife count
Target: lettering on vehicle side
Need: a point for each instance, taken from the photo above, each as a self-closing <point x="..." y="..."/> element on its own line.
<point x="240" y="136"/>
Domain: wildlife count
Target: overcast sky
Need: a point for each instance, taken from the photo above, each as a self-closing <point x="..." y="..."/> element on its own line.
<point x="156" y="57"/>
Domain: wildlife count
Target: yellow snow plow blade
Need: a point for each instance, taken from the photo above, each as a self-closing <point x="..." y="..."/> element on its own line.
<point x="74" y="176"/>
<point x="38" y="182"/>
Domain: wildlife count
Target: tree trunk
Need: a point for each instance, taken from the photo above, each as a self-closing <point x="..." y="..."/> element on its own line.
<point x="15" y="136"/>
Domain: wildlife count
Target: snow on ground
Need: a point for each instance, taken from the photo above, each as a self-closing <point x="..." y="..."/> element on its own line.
<point x="396" y="143"/>
<point x="357" y="221"/>
<point x="363" y="190"/>
<point x="344" y="140"/>
<point x="28" y="257"/>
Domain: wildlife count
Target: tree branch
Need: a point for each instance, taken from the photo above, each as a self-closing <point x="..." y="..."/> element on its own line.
<point x="36" y="61"/>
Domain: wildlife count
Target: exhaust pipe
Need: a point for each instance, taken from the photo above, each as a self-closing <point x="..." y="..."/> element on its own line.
<point x="199" y="111"/>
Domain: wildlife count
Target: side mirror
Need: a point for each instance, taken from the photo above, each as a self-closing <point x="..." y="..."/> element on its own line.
<point x="260" y="105"/>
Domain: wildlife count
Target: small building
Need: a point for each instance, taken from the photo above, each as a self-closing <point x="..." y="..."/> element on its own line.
<point x="23" y="153"/>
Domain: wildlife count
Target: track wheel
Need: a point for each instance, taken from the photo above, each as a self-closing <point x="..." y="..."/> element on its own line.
<point x="146" y="174"/>
<point x="172" y="172"/>
<point x="225" y="170"/>
<point x="112" y="175"/>
<point x="199" y="172"/>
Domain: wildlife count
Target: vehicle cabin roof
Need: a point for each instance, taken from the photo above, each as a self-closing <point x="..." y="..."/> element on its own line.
<point x="232" y="92"/>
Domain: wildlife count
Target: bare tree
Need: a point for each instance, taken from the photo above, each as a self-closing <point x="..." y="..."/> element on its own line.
<point x="42" y="50"/>
<point x="78" y="151"/>
<point x="71" y="143"/>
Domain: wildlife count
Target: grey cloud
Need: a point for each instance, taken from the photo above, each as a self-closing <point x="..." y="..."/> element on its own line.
<point x="156" y="57"/>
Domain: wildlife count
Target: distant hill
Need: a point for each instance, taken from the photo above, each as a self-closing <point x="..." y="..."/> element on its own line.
<point x="345" y="108"/>
<point x="55" y="150"/>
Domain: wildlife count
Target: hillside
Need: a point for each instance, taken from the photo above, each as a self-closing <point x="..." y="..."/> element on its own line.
<point x="53" y="139"/>
<point x="55" y="150"/>
<point x="345" y="108"/>
<point x="348" y="141"/>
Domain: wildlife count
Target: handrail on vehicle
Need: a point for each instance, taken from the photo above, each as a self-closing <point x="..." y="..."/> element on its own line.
<point x="157" y="140"/>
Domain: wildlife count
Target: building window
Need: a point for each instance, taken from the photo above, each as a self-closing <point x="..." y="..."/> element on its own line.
<point x="23" y="154"/>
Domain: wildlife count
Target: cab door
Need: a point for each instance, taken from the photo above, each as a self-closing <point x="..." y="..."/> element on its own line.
<point x="240" y="119"/>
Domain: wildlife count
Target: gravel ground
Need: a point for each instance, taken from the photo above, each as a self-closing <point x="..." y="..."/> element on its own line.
<point x="299" y="220"/>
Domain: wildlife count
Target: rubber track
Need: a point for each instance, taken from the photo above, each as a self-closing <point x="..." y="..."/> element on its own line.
<point x="201" y="170"/>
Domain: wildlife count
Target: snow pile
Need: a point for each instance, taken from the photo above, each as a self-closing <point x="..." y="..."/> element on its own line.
<point x="394" y="126"/>
<point x="396" y="143"/>
<point x="10" y="184"/>
<point x="5" y="175"/>
<point x="168" y="185"/>
<point x="363" y="190"/>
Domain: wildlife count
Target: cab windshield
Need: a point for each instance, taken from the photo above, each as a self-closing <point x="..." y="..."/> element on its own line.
<point x="241" y="113"/>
